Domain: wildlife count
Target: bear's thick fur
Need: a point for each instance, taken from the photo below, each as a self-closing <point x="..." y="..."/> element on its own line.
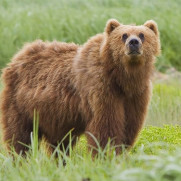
<point x="102" y="87"/>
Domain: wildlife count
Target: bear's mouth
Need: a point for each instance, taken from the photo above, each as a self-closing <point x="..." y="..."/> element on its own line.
<point x="134" y="52"/>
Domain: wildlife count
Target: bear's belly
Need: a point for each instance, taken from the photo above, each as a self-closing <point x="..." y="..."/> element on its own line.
<point x="56" y="130"/>
<point x="58" y="111"/>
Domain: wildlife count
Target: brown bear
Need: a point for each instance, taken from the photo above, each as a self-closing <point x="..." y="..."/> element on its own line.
<point x="102" y="87"/>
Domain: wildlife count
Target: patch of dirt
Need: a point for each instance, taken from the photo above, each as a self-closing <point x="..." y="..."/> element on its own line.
<point x="171" y="75"/>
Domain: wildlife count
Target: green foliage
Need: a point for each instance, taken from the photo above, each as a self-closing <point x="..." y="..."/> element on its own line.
<point x="34" y="136"/>
<point x="163" y="162"/>
<point x="168" y="133"/>
<point x="76" y="20"/>
<point x="155" y="139"/>
<point x="152" y="139"/>
<point x="1" y="86"/>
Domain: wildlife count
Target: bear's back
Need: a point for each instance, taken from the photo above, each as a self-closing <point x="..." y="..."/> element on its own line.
<point x="40" y="61"/>
<point x="41" y="74"/>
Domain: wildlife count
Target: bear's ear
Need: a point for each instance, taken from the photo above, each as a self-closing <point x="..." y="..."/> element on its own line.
<point x="111" y="25"/>
<point x="152" y="25"/>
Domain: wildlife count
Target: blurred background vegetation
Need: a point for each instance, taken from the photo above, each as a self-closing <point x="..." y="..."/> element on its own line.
<point x="76" y="20"/>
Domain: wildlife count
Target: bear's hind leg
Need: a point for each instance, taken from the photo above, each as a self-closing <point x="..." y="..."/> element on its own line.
<point x="16" y="132"/>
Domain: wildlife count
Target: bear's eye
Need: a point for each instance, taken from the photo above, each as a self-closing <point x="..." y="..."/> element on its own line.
<point x="142" y="37"/>
<point x="124" y="37"/>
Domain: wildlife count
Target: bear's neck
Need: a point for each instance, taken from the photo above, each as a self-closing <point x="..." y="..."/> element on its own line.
<point x="135" y="81"/>
<point x="130" y="82"/>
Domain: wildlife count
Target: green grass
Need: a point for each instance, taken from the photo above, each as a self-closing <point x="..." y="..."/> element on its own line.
<point x="76" y="20"/>
<point x="147" y="161"/>
<point x="152" y="140"/>
<point x="1" y="86"/>
<point x="165" y="105"/>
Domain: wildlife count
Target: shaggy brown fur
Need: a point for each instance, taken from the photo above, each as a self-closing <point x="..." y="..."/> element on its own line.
<point x="102" y="87"/>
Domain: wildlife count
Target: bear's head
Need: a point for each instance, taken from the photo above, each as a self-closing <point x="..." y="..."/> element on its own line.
<point x="130" y="44"/>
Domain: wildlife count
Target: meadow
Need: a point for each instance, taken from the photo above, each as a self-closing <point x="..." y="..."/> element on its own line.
<point x="156" y="154"/>
<point x="76" y="20"/>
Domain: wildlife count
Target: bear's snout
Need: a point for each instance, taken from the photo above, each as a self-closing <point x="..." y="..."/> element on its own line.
<point x="133" y="43"/>
<point x="134" y="46"/>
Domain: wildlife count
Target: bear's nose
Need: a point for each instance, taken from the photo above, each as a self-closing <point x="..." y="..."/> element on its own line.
<point x="134" y="46"/>
<point x="134" y="42"/>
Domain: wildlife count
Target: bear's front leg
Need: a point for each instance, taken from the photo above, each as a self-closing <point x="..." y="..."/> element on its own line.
<point x="107" y="124"/>
<point x="135" y="114"/>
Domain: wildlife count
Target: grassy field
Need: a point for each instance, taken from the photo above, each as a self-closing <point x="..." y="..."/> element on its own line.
<point x="156" y="155"/>
<point x="165" y="105"/>
<point x="76" y="20"/>
<point x="148" y="161"/>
